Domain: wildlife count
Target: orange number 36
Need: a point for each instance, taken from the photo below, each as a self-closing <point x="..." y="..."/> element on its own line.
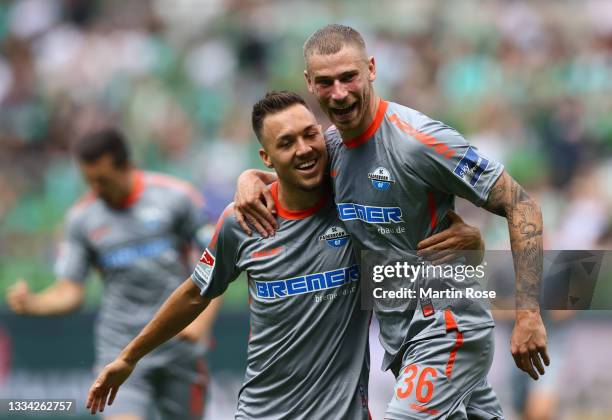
<point x="424" y="388"/>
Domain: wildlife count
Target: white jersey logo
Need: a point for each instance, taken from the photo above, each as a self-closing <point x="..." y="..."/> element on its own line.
<point x="151" y="218"/>
<point x="381" y="178"/>
<point x="335" y="236"/>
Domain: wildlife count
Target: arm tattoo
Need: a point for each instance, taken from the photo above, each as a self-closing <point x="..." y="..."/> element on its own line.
<point x="508" y="199"/>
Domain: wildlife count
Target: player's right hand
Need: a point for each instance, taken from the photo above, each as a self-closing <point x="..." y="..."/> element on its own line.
<point x="254" y="205"/>
<point x="528" y="343"/>
<point x="19" y="297"/>
<point x="451" y="244"/>
<point x="108" y="382"/>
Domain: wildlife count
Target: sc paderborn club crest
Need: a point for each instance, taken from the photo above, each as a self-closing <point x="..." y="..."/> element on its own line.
<point x="381" y="178"/>
<point x="335" y="236"/>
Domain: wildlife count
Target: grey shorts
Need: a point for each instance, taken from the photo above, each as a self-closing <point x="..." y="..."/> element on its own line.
<point x="445" y="377"/>
<point x="174" y="389"/>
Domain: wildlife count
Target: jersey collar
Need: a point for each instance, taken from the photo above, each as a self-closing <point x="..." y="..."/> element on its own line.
<point x="295" y="214"/>
<point x="137" y="189"/>
<point x="366" y="135"/>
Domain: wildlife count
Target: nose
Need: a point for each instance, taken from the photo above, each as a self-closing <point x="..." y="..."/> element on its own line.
<point x="302" y="147"/>
<point x="338" y="91"/>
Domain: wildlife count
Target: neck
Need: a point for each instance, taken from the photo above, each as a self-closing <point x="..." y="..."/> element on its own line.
<point x="292" y="198"/>
<point x="366" y="121"/>
<point x="130" y="184"/>
<point x="134" y="188"/>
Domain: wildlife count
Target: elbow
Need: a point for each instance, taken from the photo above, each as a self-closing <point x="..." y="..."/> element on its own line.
<point x="526" y="208"/>
<point x="536" y="207"/>
<point x="74" y="297"/>
<point x="535" y="210"/>
<point x="196" y="300"/>
<point x="192" y="295"/>
<point x="75" y="305"/>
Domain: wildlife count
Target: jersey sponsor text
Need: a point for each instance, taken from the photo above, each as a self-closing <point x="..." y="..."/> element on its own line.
<point x="369" y="214"/>
<point x="308" y="283"/>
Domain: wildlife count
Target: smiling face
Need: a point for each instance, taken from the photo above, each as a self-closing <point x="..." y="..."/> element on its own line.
<point x="294" y="146"/>
<point x="342" y="83"/>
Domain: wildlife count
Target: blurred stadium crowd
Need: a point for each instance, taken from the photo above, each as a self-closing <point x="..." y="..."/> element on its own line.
<point x="529" y="83"/>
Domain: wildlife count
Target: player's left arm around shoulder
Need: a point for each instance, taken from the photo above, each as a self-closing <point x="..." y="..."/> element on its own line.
<point x="508" y="199"/>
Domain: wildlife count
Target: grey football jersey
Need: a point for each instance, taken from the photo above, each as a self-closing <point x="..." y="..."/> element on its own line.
<point x="393" y="187"/>
<point x="141" y="251"/>
<point x="307" y="352"/>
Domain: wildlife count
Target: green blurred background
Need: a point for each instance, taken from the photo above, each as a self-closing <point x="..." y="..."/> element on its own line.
<point x="529" y="83"/>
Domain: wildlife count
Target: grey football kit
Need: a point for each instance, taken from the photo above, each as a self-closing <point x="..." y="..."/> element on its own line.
<point x="393" y="186"/>
<point x="307" y="352"/>
<point x="141" y="251"/>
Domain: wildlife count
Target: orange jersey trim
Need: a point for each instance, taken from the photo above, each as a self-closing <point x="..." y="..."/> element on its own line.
<point x="378" y="118"/>
<point x="267" y="252"/>
<point x="168" y="181"/>
<point x="197" y="390"/>
<point x="424" y="409"/>
<point x="213" y="241"/>
<point x="295" y="214"/>
<point x="137" y="189"/>
<point x="449" y="319"/>
<point x="88" y="198"/>
<point x="431" y="202"/>
<point x="428" y="140"/>
<point x="453" y="355"/>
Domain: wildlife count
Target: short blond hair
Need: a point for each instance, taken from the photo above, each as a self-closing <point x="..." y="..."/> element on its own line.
<point x="331" y="39"/>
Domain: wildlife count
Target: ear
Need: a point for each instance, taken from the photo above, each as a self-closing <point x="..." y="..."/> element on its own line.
<point x="371" y="69"/>
<point x="308" y="82"/>
<point x="265" y="158"/>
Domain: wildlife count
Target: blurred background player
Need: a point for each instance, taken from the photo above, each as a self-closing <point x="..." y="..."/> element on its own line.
<point x="137" y="228"/>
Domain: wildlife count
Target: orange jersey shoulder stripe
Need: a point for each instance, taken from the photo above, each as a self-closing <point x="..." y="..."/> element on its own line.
<point x="86" y="199"/>
<point x="428" y="140"/>
<point x="169" y="181"/>
<point x="138" y="187"/>
<point x="229" y="210"/>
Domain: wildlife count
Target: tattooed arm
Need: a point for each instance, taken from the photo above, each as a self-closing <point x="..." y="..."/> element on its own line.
<point x="528" y="342"/>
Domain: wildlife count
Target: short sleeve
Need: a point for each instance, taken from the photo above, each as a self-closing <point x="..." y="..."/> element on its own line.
<point x="448" y="163"/>
<point x="218" y="265"/>
<point x="74" y="257"/>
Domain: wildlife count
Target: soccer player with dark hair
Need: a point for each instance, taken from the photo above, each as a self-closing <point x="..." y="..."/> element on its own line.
<point x="308" y="341"/>
<point x="386" y="156"/>
<point x="137" y="228"/>
<point x="307" y="355"/>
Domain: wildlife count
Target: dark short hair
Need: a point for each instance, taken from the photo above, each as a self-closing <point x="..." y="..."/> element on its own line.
<point x="108" y="141"/>
<point x="272" y="103"/>
<point x="331" y="38"/>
